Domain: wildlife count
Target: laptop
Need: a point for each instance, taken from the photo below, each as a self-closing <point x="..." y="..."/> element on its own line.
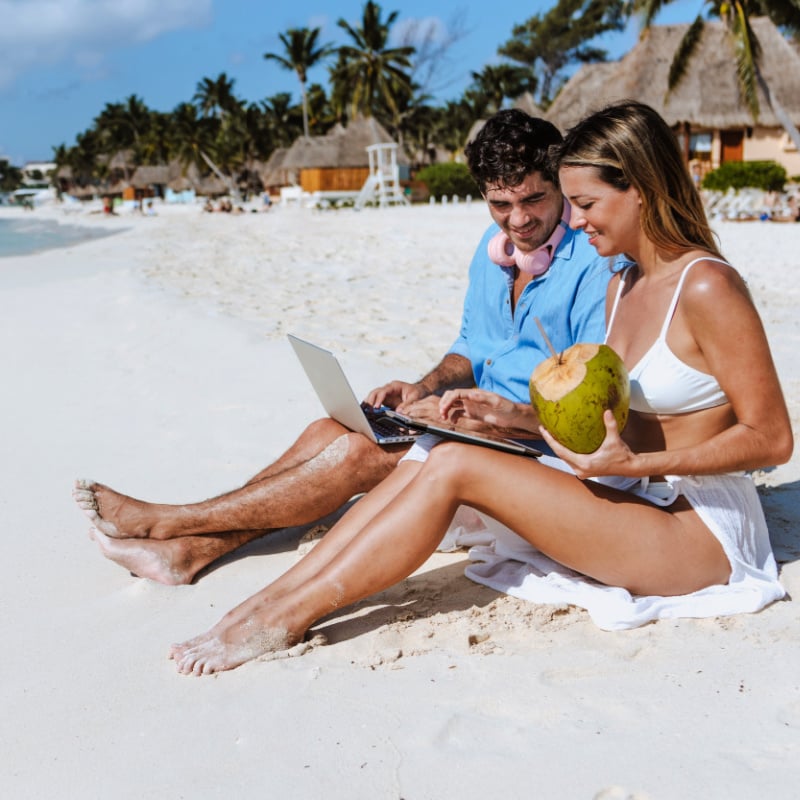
<point x="381" y="425"/>
<point x="507" y="445"/>
<point x="339" y="400"/>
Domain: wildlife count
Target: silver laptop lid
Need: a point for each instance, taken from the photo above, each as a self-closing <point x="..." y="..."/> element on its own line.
<point x="331" y="385"/>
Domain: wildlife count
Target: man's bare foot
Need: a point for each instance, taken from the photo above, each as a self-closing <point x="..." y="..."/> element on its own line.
<point x="163" y="562"/>
<point x="114" y="514"/>
<point x="245" y="633"/>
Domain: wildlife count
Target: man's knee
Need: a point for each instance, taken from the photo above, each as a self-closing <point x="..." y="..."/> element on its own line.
<point x="360" y="449"/>
<point x="366" y="458"/>
<point x="325" y="428"/>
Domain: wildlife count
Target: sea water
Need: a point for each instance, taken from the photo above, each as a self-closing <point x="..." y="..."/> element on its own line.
<point x="20" y="237"/>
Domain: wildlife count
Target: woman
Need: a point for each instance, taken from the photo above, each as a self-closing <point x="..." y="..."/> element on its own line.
<point x="706" y="403"/>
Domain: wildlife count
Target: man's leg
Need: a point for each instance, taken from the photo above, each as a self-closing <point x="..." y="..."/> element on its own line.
<point x="177" y="561"/>
<point x="173" y="562"/>
<point x="325" y="467"/>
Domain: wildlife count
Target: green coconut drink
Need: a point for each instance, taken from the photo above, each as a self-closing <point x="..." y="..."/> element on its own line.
<point x="571" y="390"/>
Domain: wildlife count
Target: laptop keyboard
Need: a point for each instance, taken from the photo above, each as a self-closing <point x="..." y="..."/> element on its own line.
<point x="386" y="426"/>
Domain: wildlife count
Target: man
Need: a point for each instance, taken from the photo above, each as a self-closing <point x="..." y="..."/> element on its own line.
<point x="546" y="273"/>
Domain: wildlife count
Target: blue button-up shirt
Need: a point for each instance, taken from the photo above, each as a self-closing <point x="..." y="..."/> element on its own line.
<point x="568" y="299"/>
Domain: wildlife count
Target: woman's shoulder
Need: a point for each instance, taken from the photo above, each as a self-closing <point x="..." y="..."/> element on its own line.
<point x="710" y="279"/>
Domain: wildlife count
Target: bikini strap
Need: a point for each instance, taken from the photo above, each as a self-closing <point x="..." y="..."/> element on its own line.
<point x="674" y="302"/>
<point x="616" y="301"/>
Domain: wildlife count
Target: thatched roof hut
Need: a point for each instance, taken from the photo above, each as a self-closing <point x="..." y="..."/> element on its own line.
<point x="707" y="97"/>
<point x="274" y="174"/>
<point x="150" y="176"/>
<point x="340" y="148"/>
<point x="339" y="159"/>
<point x="526" y="103"/>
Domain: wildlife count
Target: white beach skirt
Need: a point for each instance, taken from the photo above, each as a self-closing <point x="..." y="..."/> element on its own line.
<point x="727" y="504"/>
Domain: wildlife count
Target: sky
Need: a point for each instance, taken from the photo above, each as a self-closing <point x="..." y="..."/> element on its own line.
<point x="61" y="61"/>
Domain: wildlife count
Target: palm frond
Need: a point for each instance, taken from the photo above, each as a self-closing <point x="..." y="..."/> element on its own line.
<point x="748" y="54"/>
<point x="683" y="55"/>
<point x="647" y="10"/>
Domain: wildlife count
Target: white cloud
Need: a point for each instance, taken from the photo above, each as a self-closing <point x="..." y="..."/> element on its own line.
<point x="73" y="32"/>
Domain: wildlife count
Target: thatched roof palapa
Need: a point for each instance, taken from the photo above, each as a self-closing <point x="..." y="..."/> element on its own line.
<point x="340" y="147"/>
<point x="147" y="176"/>
<point x="526" y="103"/>
<point x="273" y="172"/>
<point x="707" y="96"/>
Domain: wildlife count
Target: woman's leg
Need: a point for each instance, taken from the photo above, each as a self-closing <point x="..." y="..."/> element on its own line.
<point x="603" y="533"/>
<point x="612" y="536"/>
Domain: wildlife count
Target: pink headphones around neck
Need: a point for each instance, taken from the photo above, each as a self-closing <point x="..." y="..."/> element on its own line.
<point x="503" y="252"/>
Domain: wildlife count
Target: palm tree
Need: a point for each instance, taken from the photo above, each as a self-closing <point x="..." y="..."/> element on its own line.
<point x="193" y="138"/>
<point x="320" y="112"/>
<point x="215" y="98"/>
<point x="368" y="70"/>
<point x="10" y="176"/>
<point x="301" y="54"/>
<point x="122" y="126"/>
<point x="281" y="118"/>
<point x="500" y="81"/>
<point x="154" y="144"/>
<point x="736" y="15"/>
<point x="552" y="41"/>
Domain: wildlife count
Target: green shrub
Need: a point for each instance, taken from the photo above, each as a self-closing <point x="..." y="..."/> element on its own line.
<point x="449" y="178"/>
<point x="766" y="175"/>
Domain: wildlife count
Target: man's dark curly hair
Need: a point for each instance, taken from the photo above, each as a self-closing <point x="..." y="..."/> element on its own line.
<point x="509" y="147"/>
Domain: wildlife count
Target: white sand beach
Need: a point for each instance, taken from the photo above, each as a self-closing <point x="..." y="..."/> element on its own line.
<point x="156" y="361"/>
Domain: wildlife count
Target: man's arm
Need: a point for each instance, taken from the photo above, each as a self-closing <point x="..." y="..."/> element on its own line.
<point x="452" y="372"/>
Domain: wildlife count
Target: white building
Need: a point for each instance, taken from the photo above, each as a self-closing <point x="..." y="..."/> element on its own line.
<point x="38" y="173"/>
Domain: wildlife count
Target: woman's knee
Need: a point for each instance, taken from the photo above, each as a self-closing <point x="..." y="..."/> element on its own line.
<point x="449" y="461"/>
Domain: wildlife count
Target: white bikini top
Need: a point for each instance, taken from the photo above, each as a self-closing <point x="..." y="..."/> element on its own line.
<point x="660" y="382"/>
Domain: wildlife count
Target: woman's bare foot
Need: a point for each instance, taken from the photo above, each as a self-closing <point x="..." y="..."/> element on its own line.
<point x="248" y="631"/>
<point x="169" y="562"/>
<point x="114" y="514"/>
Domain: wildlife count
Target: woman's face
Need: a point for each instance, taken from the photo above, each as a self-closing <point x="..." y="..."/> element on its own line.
<point x="609" y="217"/>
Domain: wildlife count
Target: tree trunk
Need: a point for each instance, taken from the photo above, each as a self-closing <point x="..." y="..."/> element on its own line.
<point x="305" y="109"/>
<point x="226" y="179"/>
<point x="779" y="110"/>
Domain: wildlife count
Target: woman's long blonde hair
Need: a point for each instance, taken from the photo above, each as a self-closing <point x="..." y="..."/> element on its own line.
<point x="631" y="145"/>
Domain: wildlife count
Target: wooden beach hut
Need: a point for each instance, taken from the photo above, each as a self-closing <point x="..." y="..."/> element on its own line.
<point x="337" y="161"/>
<point x="148" y="181"/>
<point x="705" y="109"/>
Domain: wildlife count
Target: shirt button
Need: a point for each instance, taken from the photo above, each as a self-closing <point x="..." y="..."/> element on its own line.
<point x="488" y="362"/>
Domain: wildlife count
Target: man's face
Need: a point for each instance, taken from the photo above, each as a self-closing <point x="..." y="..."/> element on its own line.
<point x="527" y="213"/>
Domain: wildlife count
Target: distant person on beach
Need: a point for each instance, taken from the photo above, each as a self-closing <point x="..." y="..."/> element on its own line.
<point x="664" y="510"/>
<point x="498" y="347"/>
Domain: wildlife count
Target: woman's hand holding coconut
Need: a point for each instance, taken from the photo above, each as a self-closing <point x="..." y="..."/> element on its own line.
<point x="613" y="457"/>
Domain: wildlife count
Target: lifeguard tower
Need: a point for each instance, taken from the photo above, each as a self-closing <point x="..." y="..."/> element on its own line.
<point x="382" y="186"/>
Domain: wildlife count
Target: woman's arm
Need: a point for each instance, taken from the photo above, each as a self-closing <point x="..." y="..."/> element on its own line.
<point x="490" y="408"/>
<point x="716" y="330"/>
